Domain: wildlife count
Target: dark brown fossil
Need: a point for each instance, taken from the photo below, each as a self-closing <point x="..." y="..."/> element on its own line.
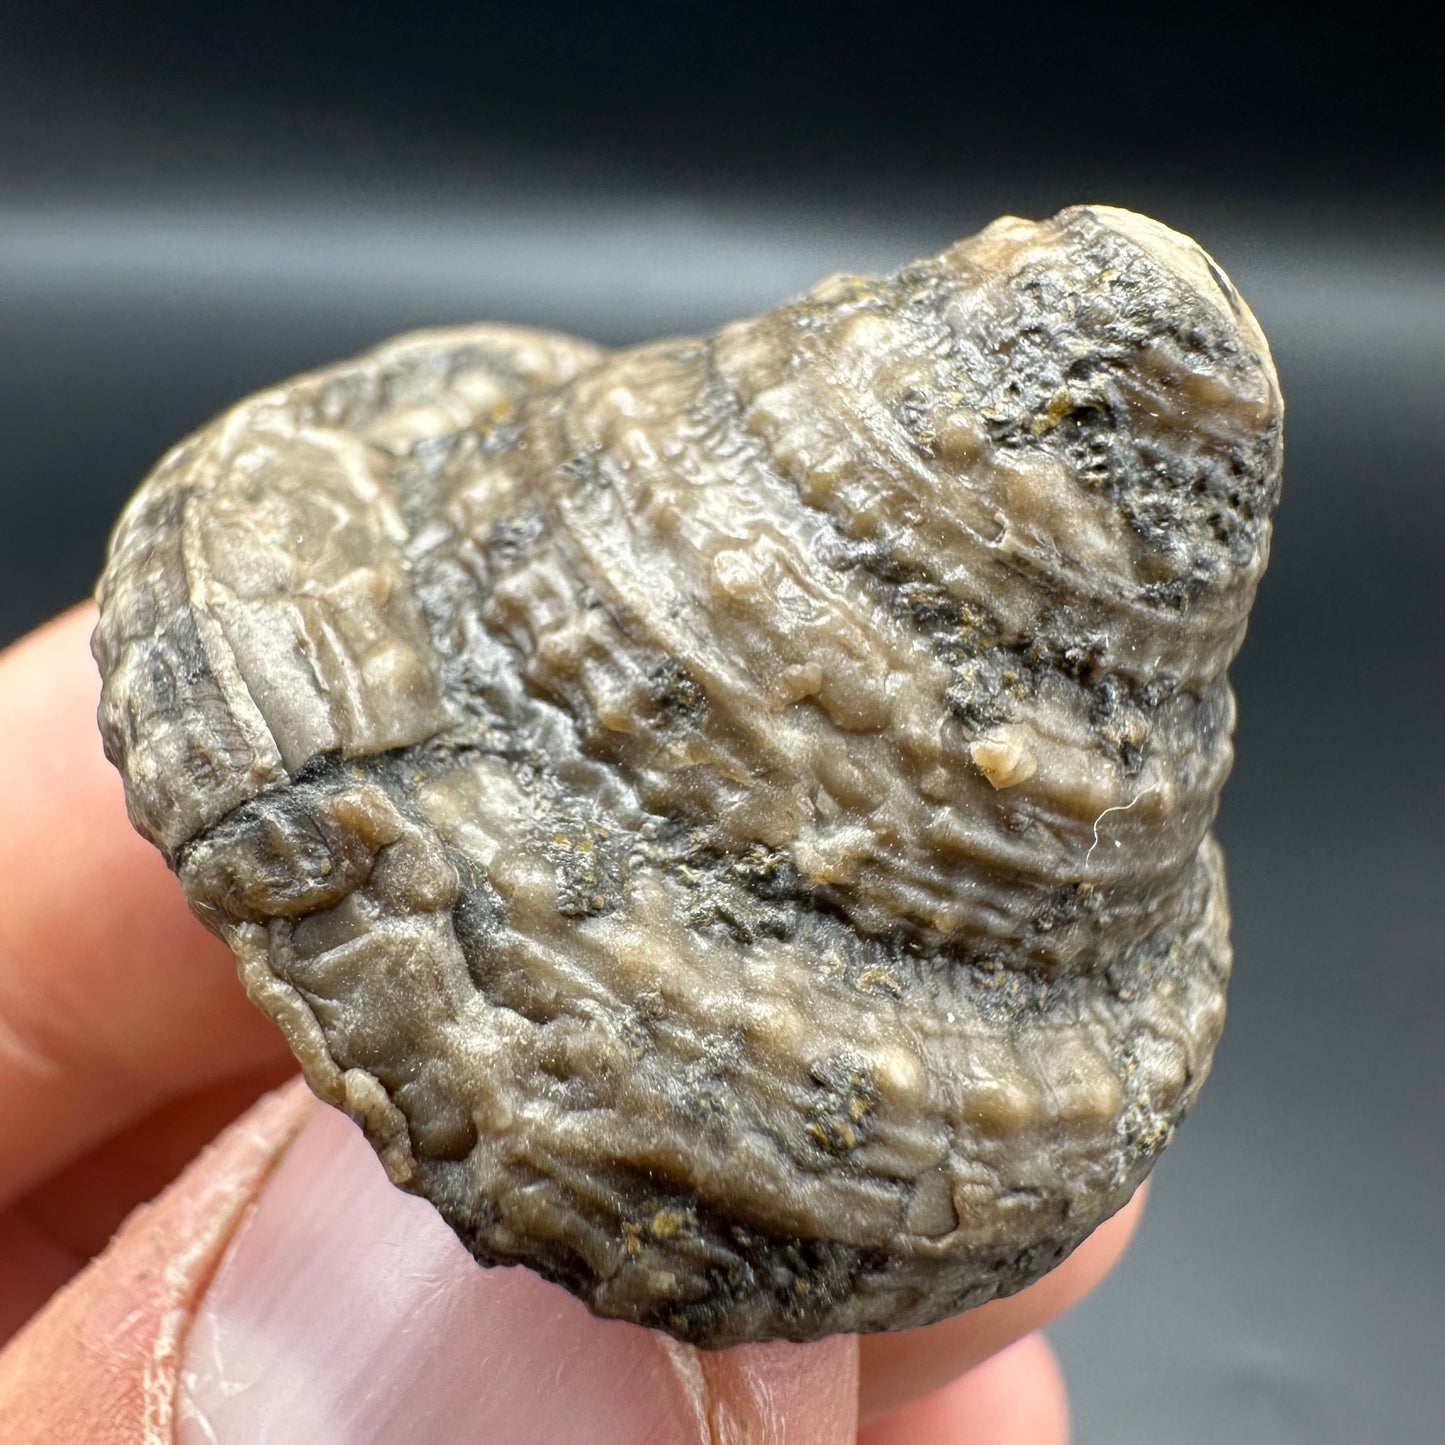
<point x="730" y="819"/>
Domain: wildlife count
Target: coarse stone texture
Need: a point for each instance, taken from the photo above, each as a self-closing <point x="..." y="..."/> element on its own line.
<point x="730" y="818"/>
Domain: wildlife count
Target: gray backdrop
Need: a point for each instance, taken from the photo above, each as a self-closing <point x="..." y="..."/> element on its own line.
<point x="1287" y="1283"/>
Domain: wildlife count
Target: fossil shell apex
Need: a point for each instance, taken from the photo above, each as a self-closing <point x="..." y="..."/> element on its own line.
<point x="730" y="818"/>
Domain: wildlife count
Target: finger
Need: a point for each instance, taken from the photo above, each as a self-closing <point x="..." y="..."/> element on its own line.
<point x="112" y="997"/>
<point x="344" y="1312"/>
<point x="1016" y="1398"/>
<point x="347" y="1313"/>
<point x="99" y="1365"/>
<point x="50" y="1234"/>
<point x="32" y="1267"/>
<point x="81" y="1207"/>
<point x="897" y="1369"/>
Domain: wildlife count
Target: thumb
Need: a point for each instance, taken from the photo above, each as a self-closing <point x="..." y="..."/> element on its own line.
<point x="280" y="1293"/>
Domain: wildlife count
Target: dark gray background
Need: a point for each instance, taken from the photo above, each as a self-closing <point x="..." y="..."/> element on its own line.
<point x="188" y="212"/>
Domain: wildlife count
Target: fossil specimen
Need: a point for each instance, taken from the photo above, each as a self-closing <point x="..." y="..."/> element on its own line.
<point x="730" y="818"/>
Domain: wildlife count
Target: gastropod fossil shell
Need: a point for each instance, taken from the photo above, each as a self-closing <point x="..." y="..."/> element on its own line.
<point x="730" y="818"/>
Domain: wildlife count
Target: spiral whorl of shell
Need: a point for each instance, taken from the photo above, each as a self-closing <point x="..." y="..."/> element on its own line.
<point x="730" y="818"/>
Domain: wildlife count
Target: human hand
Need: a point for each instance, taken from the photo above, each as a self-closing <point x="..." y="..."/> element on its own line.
<point x="273" y="1296"/>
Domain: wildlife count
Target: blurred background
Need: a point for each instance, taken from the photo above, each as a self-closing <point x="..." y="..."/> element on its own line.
<point x="196" y="201"/>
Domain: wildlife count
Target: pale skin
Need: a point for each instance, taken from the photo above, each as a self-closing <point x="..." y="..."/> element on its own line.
<point x="127" y="1046"/>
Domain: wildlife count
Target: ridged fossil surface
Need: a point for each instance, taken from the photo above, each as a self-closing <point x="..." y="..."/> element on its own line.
<point x="730" y="818"/>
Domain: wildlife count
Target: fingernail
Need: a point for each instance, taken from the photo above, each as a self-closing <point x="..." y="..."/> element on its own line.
<point x="347" y="1313"/>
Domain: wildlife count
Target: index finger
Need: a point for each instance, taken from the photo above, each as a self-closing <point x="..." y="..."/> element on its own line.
<point x="112" y="997"/>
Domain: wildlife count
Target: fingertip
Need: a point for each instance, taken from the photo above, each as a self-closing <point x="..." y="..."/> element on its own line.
<point x="99" y="1363"/>
<point x="49" y="693"/>
<point x="896" y="1369"/>
<point x="112" y="996"/>
<point x="787" y="1394"/>
<point x="1016" y="1398"/>
<point x="89" y="896"/>
<point x="347" y="1313"/>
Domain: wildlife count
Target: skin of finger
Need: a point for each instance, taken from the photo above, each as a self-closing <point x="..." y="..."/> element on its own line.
<point x="50" y="1234"/>
<point x="112" y="997"/>
<point x="346" y="1312"/>
<point x="98" y="1365"/>
<point x="897" y="1369"/>
<point x="82" y="1205"/>
<point x="32" y="1267"/>
<point x="101" y="1364"/>
<point x="788" y="1394"/>
<point x="1016" y="1398"/>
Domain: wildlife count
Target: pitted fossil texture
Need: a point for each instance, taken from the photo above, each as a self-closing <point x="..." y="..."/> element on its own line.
<point x="730" y="818"/>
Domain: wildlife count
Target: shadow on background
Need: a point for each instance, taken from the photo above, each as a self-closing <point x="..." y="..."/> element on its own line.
<point x="187" y="214"/>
